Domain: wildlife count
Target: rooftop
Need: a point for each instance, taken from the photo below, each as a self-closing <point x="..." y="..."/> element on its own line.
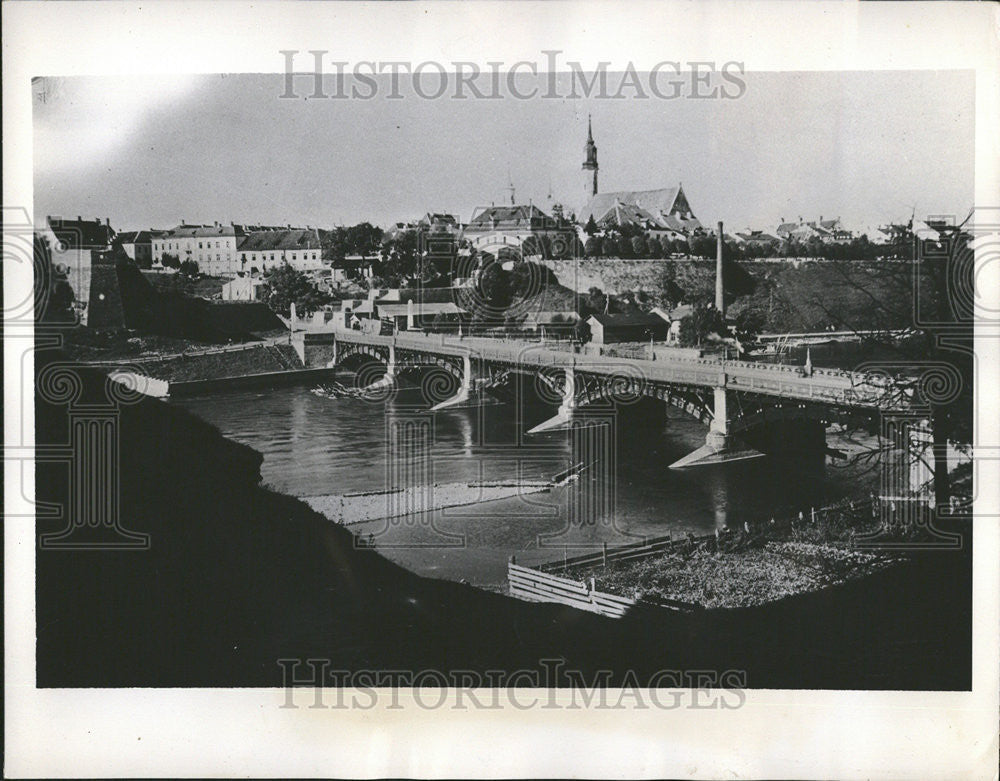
<point x="635" y="319"/>
<point x="185" y="231"/>
<point x="82" y="234"/>
<point x="295" y="239"/>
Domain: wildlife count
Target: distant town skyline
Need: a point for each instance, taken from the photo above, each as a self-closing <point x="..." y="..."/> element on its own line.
<point x="149" y="152"/>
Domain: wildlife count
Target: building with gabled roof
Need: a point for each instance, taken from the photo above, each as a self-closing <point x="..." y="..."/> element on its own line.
<point x="81" y="234"/>
<point x="528" y="217"/>
<point x="758" y="237"/>
<point x="438" y="221"/>
<point x="522" y="229"/>
<point x="637" y="327"/>
<point x="663" y="209"/>
<point x="212" y="247"/>
<point x="138" y="245"/>
<point x="298" y="247"/>
<point x="829" y="231"/>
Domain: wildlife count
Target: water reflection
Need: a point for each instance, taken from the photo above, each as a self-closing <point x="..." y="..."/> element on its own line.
<point x="314" y="445"/>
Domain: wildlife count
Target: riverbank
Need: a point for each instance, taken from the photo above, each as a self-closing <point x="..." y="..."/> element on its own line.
<point x="236" y="577"/>
<point x="349" y="509"/>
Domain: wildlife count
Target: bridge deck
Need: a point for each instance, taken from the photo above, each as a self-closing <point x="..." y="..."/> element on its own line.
<point x="823" y="385"/>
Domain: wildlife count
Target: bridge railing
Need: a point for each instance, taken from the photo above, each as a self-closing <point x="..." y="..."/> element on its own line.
<point x="774" y="379"/>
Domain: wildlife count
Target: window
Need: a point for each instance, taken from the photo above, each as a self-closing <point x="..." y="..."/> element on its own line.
<point x="293" y="256"/>
<point x="216" y="245"/>
<point x="199" y="245"/>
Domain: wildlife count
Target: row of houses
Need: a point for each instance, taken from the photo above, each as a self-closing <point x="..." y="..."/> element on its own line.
<point x="827" y="231"/>
<point x="229" y="250"/>
<point x="407" y="310"/>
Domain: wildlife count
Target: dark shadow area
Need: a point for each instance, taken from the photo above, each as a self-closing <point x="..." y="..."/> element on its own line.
<point x="237" y="577"/>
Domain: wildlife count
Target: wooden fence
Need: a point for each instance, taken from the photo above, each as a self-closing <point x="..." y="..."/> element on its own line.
<point x="538" y="586"/>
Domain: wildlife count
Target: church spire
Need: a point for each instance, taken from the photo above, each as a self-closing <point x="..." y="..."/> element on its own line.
<point x="590" y="163"/>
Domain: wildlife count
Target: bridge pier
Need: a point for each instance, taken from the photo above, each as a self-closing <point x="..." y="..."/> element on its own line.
<point x="462" y="398"/>
<point x="564" y="415"/>
<point x="390" y="373"/>
<point x="721" y="445"/>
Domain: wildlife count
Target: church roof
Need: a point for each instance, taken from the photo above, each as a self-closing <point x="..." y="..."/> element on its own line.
<point x="643" y="204"/>
<point x="622" y="213"/>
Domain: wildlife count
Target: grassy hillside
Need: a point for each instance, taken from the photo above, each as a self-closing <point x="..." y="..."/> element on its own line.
<point x="845" y="295"/>
<point x="790" y="298"/>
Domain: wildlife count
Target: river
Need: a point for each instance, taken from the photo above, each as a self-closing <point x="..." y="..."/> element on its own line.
<point x="314" y="445"/>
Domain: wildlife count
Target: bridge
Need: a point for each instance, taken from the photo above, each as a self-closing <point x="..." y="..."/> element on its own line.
<point x="731" y="396"/>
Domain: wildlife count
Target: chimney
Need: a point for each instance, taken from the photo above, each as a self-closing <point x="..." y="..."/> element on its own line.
<point x="821" y="218"/>
<point x="107" y="221"/>
<point x="79" y="218"/>
<point x="720" y="302"/>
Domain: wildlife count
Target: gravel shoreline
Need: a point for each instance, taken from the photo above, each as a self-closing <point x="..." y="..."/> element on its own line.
<point x="348" y="509"/>
<point x="734" y="579"/>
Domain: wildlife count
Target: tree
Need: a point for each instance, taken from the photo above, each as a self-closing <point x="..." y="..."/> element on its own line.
<point x="593" y="248"/>
<point x="749" y="323"/>
<point x="659" y="247"/>
<point x="697" y="326"/>
<point x="612" y="248"/>
<point x="170" y="261"/>
<point x="399" y="257"/>
<point x="639" y="246"/>
<point x="190" y="268"/>
<point x="528" y="279"/>
<point x="495" y="286"/>
<point x="703" y="247"/>
<point x="286" y="285"/>
<point x="596" y="301"/>
<point x="334" y="244"/>
<point x="591" y="227"/>
<point x="363" y="239"/>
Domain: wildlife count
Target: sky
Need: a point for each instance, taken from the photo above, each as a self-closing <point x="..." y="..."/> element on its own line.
<point x="149" y="152"/>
